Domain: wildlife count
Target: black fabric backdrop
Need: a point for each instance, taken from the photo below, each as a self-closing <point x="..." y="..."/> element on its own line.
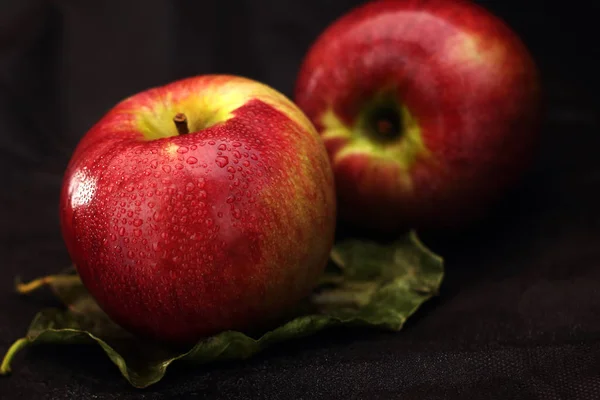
<point x="519" y="312"/>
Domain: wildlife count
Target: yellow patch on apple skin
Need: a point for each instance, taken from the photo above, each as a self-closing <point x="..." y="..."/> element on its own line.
<point x="402" y="152"/>
<point x="171" y="149"/>
<point x="333" y="126"/>
<point x="206" y="100"/>
<point x="463" y="48"/>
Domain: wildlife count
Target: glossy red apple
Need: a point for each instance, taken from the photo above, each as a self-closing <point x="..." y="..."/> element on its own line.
<point x="204" y="205"/>
<point x="429" y="111"/>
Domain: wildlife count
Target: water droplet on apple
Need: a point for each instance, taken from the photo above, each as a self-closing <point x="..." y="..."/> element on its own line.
<point x="222" y="147"/>
<point x="253" y="156"/>
<point x="166" y="168"/>
<point x="236" y="144"/>
<point x="222" y="161"/>
<point x="154" y="163"/>
<point x="230" y="169"/>
<point x="182" y="150"/>
<point x="137" y="232"/>
<point x="122" y="231"/>
<point x="151" y="204"/>
<point x="138" y="222"/>
<point x="191" y="160"/>
<point x="179" y="166"/>
<point x="230" y="199"/>
<point x="113" y="237"/>
<point x="130" y="254"/>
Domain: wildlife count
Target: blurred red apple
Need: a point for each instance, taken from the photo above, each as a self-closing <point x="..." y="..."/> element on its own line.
<point x="204" y="205"/>
<point x="429" y="111"/>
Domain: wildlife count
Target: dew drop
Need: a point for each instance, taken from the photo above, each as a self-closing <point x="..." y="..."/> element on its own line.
<point x="189" y="187"/>
<point x="222" y="161"/>
<point x="182" y="150"/>
<point x="137" y="222"/>
<point x="222" y="147"/>
<point x="122" y="231"/>
<point x="166" y="168"/>
<point x="137" y="232"/>
<point x="230" y="169"/>
<point x="191" y="160"/>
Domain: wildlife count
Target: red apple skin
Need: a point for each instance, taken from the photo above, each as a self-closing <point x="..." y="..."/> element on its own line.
<point x="185" y="236"/>
<point x="468" y="82"/>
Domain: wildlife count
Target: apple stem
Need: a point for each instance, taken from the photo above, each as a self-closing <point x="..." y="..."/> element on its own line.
<point x="181" y="123"/>
<point x="24" y="288"/>
<point x="16" y="346"/>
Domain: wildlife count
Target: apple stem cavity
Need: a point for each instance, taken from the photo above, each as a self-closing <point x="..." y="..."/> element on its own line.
<point x="385" y="123"/>
<point x="181" y="123"/>
<point x="384" y="127"/>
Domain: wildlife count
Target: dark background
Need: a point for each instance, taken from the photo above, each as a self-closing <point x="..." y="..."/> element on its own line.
<point x="519" y="312"/>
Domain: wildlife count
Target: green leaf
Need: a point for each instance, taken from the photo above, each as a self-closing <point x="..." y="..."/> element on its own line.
<point x="366" y="284"/>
